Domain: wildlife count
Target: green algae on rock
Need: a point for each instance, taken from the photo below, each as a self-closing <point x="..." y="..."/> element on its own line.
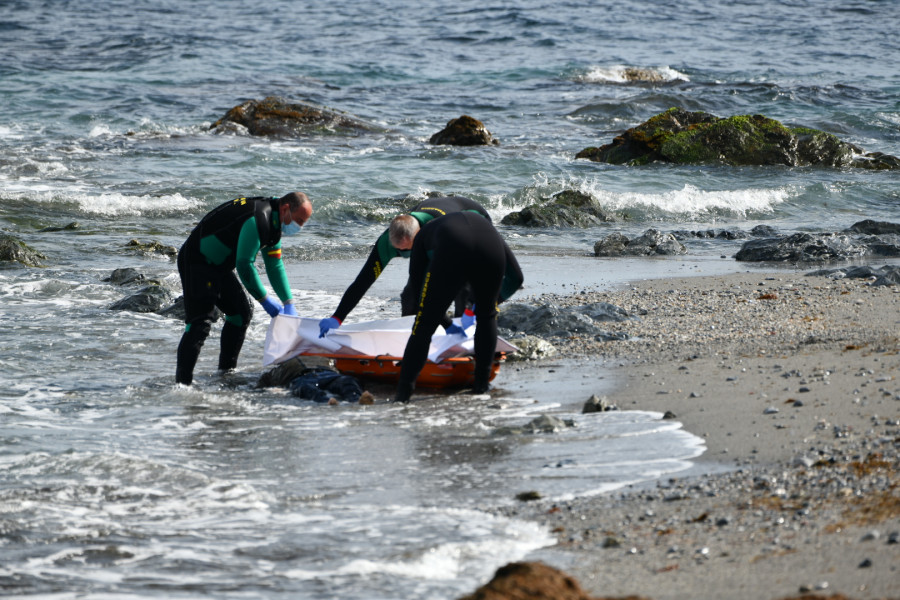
<point x="685" y="137"/>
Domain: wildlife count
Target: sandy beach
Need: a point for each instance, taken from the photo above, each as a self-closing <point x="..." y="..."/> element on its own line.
<point x="793" y="381"/>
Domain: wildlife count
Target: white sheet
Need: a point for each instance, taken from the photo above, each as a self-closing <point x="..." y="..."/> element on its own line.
<point x="289" y="336"/>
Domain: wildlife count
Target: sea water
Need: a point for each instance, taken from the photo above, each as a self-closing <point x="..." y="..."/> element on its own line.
<point x="114" y="482"/>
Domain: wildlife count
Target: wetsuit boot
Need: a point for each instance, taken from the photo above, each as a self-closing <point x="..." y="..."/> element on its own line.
<point x="404" y="392"/>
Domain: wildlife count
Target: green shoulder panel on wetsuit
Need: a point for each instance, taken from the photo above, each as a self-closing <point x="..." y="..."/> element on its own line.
<point x="385" y="252"/>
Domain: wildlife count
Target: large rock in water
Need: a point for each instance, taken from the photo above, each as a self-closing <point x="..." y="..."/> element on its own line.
<point x="685" y="137"/>
<point x="464" y="131"/>
<point x="651" y="243"/>
<point x="568" y="208"/>
<point x="14" y="250"/>
<point x="275" y="116"/>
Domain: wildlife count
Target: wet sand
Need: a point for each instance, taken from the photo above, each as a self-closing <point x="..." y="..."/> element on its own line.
<point x="794" y="383"/>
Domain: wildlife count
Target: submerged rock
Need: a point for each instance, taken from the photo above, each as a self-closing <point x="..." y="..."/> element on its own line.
<point x="464" y="131"/>
<point x="15" y="250"/>
<point x="569" y="208"/>
<point x="154" y="247"/>
<point x="652" y="242"/>
<point x="541" y="424"/>
<point x="686" y="137"/>
<point x="275" y="116"/>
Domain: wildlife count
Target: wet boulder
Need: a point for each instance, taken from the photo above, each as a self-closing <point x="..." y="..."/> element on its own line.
<point x="652" y="242"/>
<point x="464" y="131"/>
<point x="871" y="227"/>
<point x="150" y="299"/>
<point x="553" y="321"/>
<point x="818" y="247"/>
<point x="125" y="276"/>
<point x="686" y="137"/>
<point x="569" y="208"/>
<point x="17" y="251"/>
<point x="275" y="116"/>
<point x="151" y="248"/>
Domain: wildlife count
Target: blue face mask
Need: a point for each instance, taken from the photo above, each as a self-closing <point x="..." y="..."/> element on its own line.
<point x="291" y="228"/>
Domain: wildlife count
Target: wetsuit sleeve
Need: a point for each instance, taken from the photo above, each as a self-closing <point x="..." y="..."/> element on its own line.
<point x="512" y="278"/>
<point x="247" y="248"/>
<point x="381" y="255"/>
<point x="276" y="273"/>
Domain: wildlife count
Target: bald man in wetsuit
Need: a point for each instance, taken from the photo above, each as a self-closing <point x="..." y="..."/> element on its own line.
<point x="225" y="240"/>
<point x="383" y="252"/>
<point x="446" y="254"/>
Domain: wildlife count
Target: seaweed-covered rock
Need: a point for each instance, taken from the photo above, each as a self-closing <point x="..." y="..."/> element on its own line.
<point x="464" y="131"/>
<point x="150" y="248"/>
<point x="568" y="208"/>
<point x="15" y="250"/>
<point x="686" y="137"/>
<point x="275" y="116"/>
<point x="652" y="242"/>
<point x="532" y="580"/>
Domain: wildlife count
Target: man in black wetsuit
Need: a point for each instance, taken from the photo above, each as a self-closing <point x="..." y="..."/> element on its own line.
<point x="229" y="238"/>
<point x="383" y="252"/>
<point x="448" y="253"/>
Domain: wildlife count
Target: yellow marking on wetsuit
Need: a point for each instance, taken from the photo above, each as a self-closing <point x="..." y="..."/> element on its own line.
<point x="421" y="303"/>
<point x="424" y="208"/>
<point x="377" y="269"/>
<point x="240" y="201"/>
<point x="274" y="253"/>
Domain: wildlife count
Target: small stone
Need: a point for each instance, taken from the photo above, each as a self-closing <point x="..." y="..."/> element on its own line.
<point x="668" y="415"/>
<point x="803" y="389"/>
<point x="871" y="536"/>
<point x="366" y="399"/>
<point x="770" y="411"/>
<point x="866" y="563"/>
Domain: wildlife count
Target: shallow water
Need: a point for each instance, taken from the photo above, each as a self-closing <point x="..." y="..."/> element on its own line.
<point x="117" y="483"/>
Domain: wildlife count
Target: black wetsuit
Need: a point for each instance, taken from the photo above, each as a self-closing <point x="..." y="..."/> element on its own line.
<point x="383" y="252"/>
<point x="227" y="238"/>
<point x="448" y="253"/>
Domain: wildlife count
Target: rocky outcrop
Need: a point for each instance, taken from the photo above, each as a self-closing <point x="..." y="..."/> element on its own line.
<point x="15" y="250"/>
<point x="819" y="247"/>
<point x="726" y="234"/>
<point x="651" y="243"/>
<point x="568" y="208"/>
<point x="464" y="131"/>
<point x="275" y="116"/>
<point x="685" y="137"/>
<point x="553" y="321"/>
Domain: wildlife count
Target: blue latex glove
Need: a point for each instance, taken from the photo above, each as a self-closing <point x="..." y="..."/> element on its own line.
<point x="454" y="328"/>
<point x="326" y="324"/>
<point x="468" y="317"/>
<point x="273" y="307"/>
<point x="289" y="309"/>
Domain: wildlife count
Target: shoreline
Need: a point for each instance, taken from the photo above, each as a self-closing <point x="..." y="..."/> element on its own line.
<point x="792" y="381"/>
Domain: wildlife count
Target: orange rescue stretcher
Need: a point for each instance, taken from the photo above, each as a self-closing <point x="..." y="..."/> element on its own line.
<point x="451" y="372"/>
